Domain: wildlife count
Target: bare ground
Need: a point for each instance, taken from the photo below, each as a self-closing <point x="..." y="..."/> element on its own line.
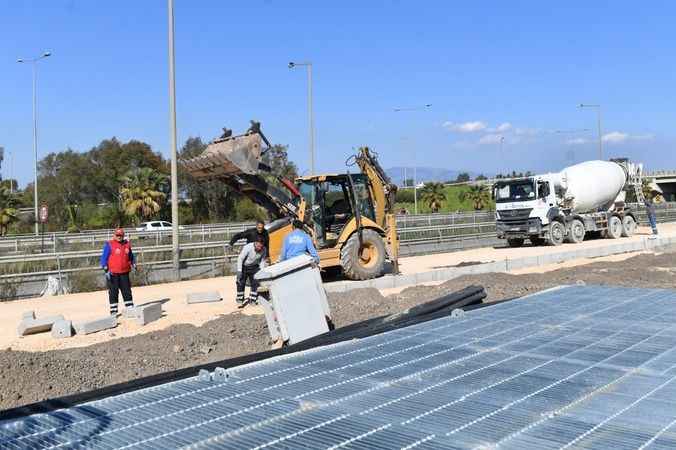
<point x="27" y="377"/>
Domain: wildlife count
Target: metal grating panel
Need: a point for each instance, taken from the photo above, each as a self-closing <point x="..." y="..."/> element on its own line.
<point x="577" y="367"/>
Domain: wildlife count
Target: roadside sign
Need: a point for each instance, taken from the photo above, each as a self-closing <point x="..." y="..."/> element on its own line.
<point x="44" y="213"/>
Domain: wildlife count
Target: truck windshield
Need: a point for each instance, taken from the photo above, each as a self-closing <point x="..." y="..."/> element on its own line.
<point x="515" y="191"/>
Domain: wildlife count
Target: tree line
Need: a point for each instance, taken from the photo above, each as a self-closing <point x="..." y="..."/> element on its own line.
<point x="124" y="183"/>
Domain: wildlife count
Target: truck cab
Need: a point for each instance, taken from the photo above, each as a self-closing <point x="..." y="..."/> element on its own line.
<point x="523" y="207"/>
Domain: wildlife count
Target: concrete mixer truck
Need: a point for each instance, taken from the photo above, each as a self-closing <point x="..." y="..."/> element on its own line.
<point x="586" y="198"/>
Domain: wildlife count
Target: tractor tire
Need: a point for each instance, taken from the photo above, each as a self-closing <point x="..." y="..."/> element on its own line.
<point x="575" y="232"/>
<point x="557" y="232"/>
<point x="515" y="242"/>
<point x="628" y="226"/>
<point x="366" y="262"/>
<point x="614" y="227"/>
<point x="536" y="241"/>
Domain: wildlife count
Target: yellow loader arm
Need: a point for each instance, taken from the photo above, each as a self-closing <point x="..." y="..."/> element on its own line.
<point x="237" y="161"/>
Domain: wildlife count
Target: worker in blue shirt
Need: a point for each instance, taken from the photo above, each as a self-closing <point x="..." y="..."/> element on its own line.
<point x="298" y="243"/>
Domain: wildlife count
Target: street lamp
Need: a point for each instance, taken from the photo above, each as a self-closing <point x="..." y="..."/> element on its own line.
<point x="415" y="170"/>
<point x="172" y="127"/>
<point x="502" y="155"/>
<point x="311" y="118"/>
<point x="598" y="112"/>
<point x="34" y="62"/>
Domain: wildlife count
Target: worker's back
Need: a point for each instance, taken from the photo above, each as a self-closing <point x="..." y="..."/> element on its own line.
<point x="297" y="243"/>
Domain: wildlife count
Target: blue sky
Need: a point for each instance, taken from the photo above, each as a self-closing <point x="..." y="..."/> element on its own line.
<point x="515" y="69"/>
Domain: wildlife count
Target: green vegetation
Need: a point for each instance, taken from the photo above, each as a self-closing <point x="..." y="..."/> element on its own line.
<point x="478" y="195"/>
<point x="8" y="211"/>
<point x="433" y="195"/>
<point x="142" y="193"/>
<point x="453" y="202"/>
<point x="121" y="183"/>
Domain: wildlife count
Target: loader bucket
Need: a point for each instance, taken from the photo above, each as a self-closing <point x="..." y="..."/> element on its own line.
<point x="226" y="157"/>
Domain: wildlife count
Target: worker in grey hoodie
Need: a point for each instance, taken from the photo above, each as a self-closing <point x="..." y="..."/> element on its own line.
<point x="251" y="259"/>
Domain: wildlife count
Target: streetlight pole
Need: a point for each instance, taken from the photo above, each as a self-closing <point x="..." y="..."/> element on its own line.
<point x="502" y="155"/>
<point x="311" y="119"/>
<point x="34" y="62"/>
<point x="172" y="126"/>
<point x="598" y="118"/>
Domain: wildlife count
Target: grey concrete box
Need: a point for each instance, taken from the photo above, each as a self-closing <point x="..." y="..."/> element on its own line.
<point x="32" y="326"/>
<point x="203" y="297"/>
<point x="96" y="325"/>
<point x="149" y="313"/>
<point x="62" y="329"/>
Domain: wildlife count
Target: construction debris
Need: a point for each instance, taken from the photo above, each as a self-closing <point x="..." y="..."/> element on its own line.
<point x="96" y="325"/>
<point x="203" y="297"/>
<point x="62" y="329"/>
<point x="30" y="325"/>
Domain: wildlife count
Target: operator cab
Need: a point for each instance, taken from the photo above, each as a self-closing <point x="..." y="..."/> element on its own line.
<point x="332" y="197"/>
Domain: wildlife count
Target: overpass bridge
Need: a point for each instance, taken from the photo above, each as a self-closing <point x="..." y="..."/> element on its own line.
<point x="666" y="180"/>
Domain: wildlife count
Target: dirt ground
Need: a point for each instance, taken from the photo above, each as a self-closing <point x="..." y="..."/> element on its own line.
<point x="27" y="377"/>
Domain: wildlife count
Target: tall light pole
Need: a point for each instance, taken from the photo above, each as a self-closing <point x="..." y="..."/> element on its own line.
<point x="502" y="155"/>
<point x="172" y="126"/>
<point x="34" y="63"/>
<point x="310" y="113"/>
<point x="598" y="117"/>
<point x="415" y="169"/>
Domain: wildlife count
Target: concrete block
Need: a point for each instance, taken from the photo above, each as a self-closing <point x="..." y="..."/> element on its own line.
<point x="203" y="297"/>
<point x="94" y="326"/>
<point x="32" y="326"/>
<point x="149" y="313"/>
<point x="62" y="329"/>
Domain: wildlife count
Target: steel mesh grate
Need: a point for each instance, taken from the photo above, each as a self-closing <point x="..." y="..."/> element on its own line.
<point x="576" y="367"/>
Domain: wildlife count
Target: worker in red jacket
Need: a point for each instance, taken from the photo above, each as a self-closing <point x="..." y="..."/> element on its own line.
<point x="117" y="260"/>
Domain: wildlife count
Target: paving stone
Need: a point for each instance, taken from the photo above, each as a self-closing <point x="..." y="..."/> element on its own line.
<point x="62" y="329"/>
<point x="203" y="297"/>
<point x="149" y="313"/>
<point x="32" y="326"/>
<point x="96" y="325"/>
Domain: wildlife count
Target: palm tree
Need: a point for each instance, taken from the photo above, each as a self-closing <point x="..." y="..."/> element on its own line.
<point x="477" y="194"/>
<point x="433" y="194"/>
<point x="141" y="193"/>
<point x="8" y="212"/>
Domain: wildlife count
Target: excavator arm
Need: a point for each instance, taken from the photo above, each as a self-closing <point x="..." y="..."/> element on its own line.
<point x="383" y="193"/>
<point x="237" y="161"/>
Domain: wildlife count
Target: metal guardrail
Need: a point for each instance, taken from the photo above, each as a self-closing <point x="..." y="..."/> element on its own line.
<point x="209" y="257"/>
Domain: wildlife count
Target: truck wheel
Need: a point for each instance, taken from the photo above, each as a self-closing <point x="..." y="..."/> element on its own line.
<point x="515" y="242"/>
<point x="557" y="231"/>
<point x="628" y="226"/>
<point x="614" y="227"/>
<point x="575" y="232"/>
<point x="536" y="241"/>
<point x="366" y="261"/>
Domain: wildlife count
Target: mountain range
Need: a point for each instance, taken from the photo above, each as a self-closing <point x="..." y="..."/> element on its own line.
<point x="424" y="174"/>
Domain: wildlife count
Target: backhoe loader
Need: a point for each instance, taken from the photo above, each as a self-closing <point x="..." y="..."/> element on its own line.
<point x="349" y="216"/>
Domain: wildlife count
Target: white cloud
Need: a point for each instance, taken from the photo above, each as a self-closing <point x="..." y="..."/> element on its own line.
<point x="526" y="131"/>
<point x="615" y="137"/>
<point x="490" y="139"/>
<point x="577" y="141"/>
<point x="504" y="127"/>
<point x="466" y="127"/>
